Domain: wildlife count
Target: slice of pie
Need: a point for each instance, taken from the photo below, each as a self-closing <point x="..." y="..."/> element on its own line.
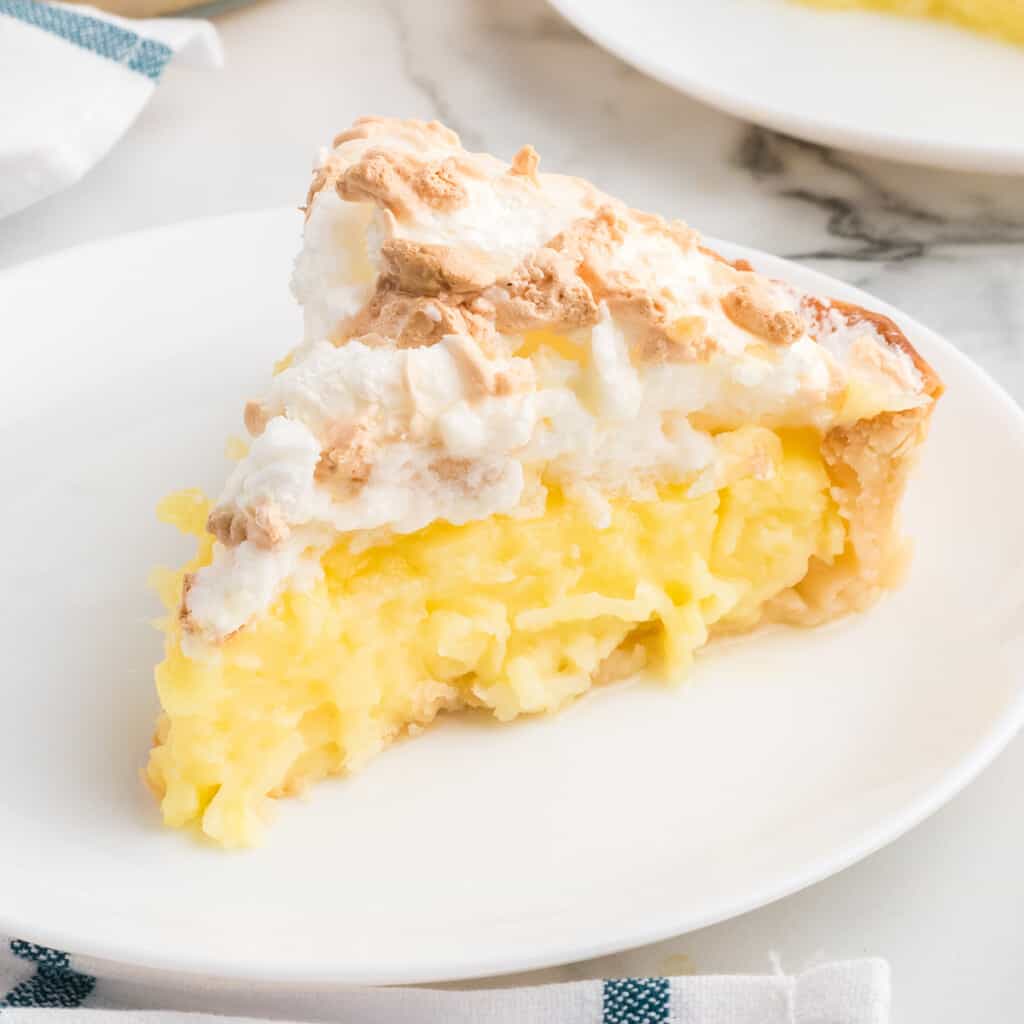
<point x="533" y="440"/>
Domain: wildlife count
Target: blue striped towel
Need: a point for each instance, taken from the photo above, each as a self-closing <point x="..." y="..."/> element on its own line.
<point x="35" y="981"/>
<point x="72" y="81"/>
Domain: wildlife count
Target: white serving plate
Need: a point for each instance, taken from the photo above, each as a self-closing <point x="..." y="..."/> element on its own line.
<point x="902" y="88"/>
<point x="640" y="812"/>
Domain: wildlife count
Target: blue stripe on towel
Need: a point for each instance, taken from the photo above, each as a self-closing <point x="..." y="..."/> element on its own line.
<point x="146" y="56"/>
<point x="636" y="1001"/>
<point x="55" y="983"/>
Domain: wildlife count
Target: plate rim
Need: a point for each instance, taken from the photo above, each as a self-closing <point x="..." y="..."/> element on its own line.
<point x="985" y="159"/>
<point x="654" y="927"/>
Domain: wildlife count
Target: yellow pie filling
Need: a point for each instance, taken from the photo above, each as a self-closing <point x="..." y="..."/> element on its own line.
<point x="1004" y="18"/>
<point x="511" y="615"/>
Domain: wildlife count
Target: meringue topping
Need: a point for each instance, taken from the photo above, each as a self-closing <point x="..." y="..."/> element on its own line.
<point x="443" y="292"/>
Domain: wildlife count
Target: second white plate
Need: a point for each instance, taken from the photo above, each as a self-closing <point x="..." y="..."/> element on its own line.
<point x="640" y="812"/>
<point x="905" y="89"/>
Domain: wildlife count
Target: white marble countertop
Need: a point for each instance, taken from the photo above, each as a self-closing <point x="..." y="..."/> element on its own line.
<point x="942" y="904"/>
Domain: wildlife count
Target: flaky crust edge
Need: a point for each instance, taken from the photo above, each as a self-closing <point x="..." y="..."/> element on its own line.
<point x="869" y="463"/>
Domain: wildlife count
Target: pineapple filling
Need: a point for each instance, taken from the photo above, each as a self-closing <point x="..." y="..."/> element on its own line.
<point x="997" y="17"/>
<point x="511" y="615"/>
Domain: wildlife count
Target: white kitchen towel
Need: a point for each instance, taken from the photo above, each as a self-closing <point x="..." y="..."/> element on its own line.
<point x="72" y="81"/>
<point x="44" y="986"/>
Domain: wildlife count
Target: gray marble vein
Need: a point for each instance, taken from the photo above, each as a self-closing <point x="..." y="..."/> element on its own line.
<point x="417" y="69"/>
<point x="868" y="217"/>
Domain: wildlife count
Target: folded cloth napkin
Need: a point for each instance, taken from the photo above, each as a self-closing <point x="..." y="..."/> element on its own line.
<point x="72" y="80"/>
<point x="44" y="986"/>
